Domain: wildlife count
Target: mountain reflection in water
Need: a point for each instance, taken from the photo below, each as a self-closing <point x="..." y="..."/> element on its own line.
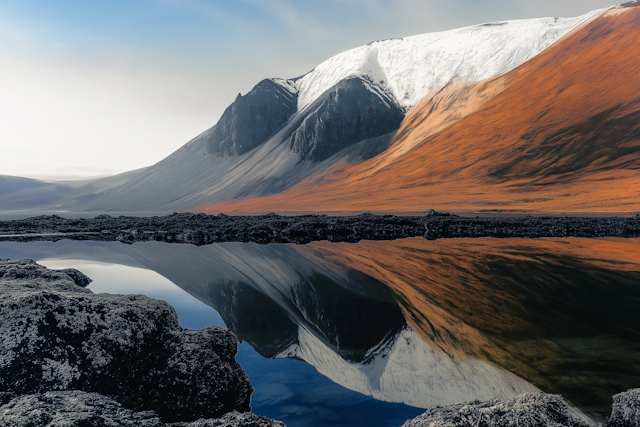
<point x="560" y="313"/>
<point x="416" y="321"/>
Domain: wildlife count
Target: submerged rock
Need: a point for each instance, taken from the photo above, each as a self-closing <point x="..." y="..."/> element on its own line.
<point x="626" y="409"/>
<point x="526" y="410"/>
<point x="78" y="408"/>
<point x="56" y="335"/>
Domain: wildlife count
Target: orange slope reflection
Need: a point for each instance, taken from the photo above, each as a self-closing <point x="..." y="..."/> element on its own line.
<point x="560" y="313"/>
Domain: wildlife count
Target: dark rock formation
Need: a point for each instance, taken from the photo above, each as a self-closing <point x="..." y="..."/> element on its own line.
<point x="251" y="119"/>
<point x="56" y="335"/>
<point x="201" y="229"/>
<point x="348" y="113"/>
<point x="72" y="408"/>
<point x="527" y="410"/>
<point x="77" y="276"/>
<point x="234" y="419"/>
<point x="443" y="226"/>
<point x="78" y="408"/>
<point x="6" y="397"/>
<point x="626" y="409"/>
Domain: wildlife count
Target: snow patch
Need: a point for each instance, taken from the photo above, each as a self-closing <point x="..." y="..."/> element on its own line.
<point x="410" y="67"/>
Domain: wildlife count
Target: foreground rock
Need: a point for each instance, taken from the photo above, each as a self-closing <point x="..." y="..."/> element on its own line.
<point x="626" y="409"/>
<point x="527" y="410"/>
<point x="201" y="229"/>
<point x="56" y="335"/>
<point x="78" y="408"/>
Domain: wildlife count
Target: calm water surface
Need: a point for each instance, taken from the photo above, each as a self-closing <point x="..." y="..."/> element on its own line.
<point x="372" y="333"/>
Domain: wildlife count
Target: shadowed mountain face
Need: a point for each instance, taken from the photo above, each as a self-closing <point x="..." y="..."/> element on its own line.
<point x="253" y="317"/>
<point x="251" y="119"/>
<point x="559" y="133"/>
<point x="352" y="322"/>
<point x="350" y="112"/>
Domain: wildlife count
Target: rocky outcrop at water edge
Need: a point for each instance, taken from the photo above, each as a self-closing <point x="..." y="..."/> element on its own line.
<point x="79" y="408"/>
<point x="56" y="336"/>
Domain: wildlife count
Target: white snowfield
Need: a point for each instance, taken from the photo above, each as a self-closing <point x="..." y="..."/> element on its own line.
<point x="409" y="68"/>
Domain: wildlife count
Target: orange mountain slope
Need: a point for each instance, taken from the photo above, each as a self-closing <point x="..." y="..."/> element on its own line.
<point x="561" y="133"/>
<point x="560" y="313"/>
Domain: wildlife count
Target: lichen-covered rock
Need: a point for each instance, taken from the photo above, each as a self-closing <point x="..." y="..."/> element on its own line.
<point x="72" y="408"/>
<point x="77" y="276"/>
<point x="56" y="335"/>
<point x="526" y="410"/>
<point x="77" y="408"/>
<point x="6" y="397"/>
<point x="626" y="409"/>
<point x="234" y="419"/>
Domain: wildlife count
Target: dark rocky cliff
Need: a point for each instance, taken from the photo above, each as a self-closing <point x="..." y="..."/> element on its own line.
<point x="352" y="322"/>
<point x="251" y="119"/>
<point x="348" y="113"/>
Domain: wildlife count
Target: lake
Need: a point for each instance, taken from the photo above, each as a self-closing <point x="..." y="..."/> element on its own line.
<point x="374" y="332"/>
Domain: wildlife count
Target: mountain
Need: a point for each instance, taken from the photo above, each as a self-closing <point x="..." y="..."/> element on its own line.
<point x="560" y="133"/>
<point x="346" y="110"/>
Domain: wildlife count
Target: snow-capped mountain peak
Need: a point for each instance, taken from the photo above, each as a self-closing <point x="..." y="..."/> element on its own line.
<point x="410" y="67"/>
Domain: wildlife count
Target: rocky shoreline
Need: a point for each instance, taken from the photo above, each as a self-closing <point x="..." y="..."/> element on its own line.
<point x="528" y="410"/>
<point x="104" y="352"/>
<point x="71" y="357"/>
<point x="201" y="229"/>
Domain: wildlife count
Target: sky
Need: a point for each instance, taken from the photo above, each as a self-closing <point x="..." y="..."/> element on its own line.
<point x="96" y="88"/>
